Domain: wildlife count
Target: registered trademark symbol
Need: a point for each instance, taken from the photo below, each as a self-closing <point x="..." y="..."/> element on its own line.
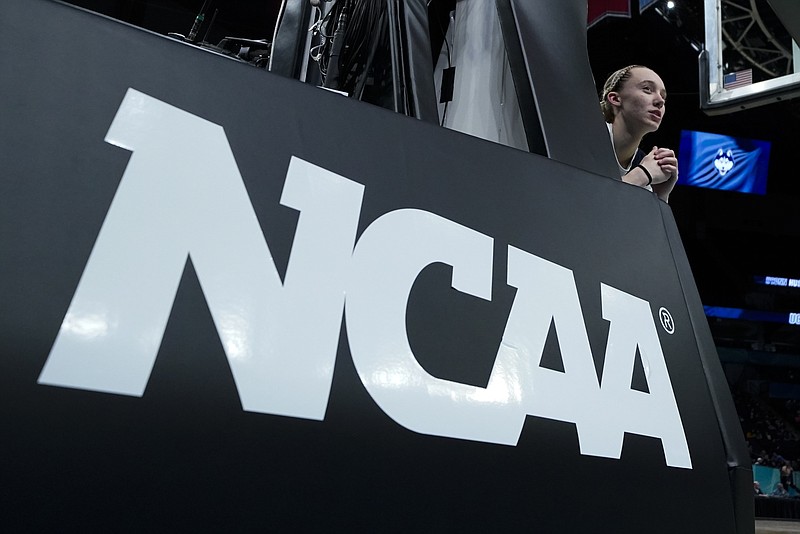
<point x="666" y="320"/>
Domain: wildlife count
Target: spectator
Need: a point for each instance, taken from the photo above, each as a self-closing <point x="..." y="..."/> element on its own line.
<point x="633" y="103"/>
<point x="787" y="477"/>
<point x="780" y="491"/>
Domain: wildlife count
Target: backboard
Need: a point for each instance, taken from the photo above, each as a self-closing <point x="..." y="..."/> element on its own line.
<point x="750" y="57"/>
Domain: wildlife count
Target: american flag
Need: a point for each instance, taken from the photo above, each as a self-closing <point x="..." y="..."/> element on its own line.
<point x="737" y="79"/>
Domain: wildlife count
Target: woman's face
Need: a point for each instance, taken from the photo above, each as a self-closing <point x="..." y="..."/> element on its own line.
<point x="641" y="100"/>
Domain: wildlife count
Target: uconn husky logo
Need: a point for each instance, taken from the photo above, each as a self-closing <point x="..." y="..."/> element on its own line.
<point x="281" y="337"/>
<point x="724" y="161"/>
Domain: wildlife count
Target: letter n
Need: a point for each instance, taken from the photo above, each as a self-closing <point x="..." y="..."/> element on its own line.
<point x="182" y="196"/>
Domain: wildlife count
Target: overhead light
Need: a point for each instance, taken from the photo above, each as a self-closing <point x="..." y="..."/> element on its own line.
<point x="670" y="4"/>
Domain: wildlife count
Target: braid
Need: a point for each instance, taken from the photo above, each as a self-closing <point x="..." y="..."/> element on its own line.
<point x="613" y="84"/>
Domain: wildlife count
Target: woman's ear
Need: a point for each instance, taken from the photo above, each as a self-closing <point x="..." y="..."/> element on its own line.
<point x="613" y="98"/>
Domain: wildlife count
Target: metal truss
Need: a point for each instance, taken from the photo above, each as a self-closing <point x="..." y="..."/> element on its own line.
<point x="754" y="37"/>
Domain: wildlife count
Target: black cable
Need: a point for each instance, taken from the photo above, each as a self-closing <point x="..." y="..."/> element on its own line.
<point x="332" y="77"/>
<point x="363" y="38"/>
<point x="378" y="21"/>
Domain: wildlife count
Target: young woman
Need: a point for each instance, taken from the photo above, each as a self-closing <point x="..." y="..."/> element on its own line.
<point x="633" y="103"/>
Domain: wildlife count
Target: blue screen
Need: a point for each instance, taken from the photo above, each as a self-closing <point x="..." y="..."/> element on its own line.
<point x="723" y="162"/>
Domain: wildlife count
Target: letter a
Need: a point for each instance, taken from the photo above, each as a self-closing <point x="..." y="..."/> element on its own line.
<point x="624" y="409"/>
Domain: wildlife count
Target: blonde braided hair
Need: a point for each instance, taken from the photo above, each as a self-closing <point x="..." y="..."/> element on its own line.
<point x="613" y="84"/>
